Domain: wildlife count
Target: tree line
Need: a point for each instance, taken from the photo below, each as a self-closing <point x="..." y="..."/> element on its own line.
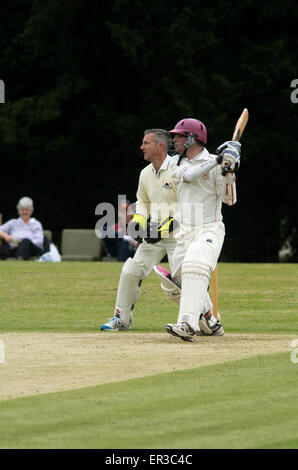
<point x="84" y="79"/>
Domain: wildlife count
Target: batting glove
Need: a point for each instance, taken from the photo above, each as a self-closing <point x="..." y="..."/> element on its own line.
<point x="229" y="156"/>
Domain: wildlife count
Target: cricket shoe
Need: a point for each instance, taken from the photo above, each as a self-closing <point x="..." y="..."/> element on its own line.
<point x="168" y="285"/>
<point x="209" y="326"/>
<point x="115" y="324"/>
<point x="181" y="330"/>
<point x="166" y="277"/>
<point x="217" y="329"/>
<point x="162" y="271"/>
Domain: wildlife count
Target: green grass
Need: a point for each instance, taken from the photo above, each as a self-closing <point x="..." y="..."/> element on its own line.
<point x="80" y="296"/>
<point x="249" y="403"/>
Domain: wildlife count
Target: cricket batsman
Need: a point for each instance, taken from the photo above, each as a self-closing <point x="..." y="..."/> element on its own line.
<point x="203" y="182"/>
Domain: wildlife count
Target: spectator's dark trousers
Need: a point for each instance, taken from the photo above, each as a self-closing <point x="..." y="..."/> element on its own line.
<point x="24" y="250"/>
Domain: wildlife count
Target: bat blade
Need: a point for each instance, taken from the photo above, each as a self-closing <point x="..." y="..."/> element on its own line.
<point x="240" y="126"/>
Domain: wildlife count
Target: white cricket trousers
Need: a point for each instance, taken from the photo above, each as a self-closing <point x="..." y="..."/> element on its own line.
<point x="195" y="257"/>
<point x="136" y="269"/>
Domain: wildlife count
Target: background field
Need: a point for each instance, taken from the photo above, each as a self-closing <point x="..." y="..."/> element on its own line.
<point x="211" y="395"/>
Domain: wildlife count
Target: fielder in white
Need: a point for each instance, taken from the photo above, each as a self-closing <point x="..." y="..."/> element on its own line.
<point x="203" y="181"/>
<point x="157" y="200"/>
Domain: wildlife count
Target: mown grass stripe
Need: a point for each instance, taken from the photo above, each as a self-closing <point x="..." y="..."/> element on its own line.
<point x="249" y="403"/>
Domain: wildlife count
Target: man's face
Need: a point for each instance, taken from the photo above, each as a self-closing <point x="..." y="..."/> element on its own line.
<point x="149" y="147"/>
<point x="178" y="141"/>
<point x="24" y="213"/>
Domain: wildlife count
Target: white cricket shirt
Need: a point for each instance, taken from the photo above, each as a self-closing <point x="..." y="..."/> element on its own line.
<point x="156" y="194"/>
<point x="201" y="199"/>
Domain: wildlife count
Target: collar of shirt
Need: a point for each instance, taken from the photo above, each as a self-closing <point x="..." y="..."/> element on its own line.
<point x="204" y="155"/>
<point x="164" y="166"/>
<point x="31" y="221"/>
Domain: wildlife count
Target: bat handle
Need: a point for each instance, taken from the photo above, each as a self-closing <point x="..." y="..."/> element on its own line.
<point x="225" y="169"/>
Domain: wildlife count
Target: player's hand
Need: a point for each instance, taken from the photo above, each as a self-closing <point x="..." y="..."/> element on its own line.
<point x="8" y="238"/>
<point x="136" y="228"/>
<point x="152" y="236"/>
<point x="167" y="226"/>
<point x="229" y="156"/>
<point x="159" y="232"/>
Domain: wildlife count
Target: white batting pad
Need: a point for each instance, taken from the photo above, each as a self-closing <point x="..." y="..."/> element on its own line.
<point x="196" y="271"/>
<point x="128" y="289"/>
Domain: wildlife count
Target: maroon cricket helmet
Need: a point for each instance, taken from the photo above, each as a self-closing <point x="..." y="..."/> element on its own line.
<point x="191" y="127"/>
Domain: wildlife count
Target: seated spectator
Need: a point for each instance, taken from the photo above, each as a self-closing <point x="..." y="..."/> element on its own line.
<point x="117" y="244"/>
<point x="22" y="237"/>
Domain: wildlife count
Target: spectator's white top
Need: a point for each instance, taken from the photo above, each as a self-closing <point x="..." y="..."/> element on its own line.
<point x="19" y="230"/>
<point x="156" y="195"/>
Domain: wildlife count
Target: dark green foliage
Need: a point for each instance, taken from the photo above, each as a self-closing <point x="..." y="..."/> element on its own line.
<point x="85" y="78"/>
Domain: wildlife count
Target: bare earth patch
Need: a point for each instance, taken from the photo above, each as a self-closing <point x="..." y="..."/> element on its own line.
<point x="37" y="363"/>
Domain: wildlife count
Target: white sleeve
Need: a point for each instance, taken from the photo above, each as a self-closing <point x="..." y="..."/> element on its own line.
<point x="37" y="234"/>
<point x="143" y="202"/>
<point x="7" y="226"/>
<point x="192" y="173"/>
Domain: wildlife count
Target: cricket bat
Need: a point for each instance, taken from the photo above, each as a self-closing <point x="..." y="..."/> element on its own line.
<point x="238" y="131"/>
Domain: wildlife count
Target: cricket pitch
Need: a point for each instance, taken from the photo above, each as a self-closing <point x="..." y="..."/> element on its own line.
<point x="37" y="363"/>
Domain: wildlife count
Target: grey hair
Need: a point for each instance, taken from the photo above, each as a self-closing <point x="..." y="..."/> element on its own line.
<point x="160" y="136"/>
<point x="25" y="202"/>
